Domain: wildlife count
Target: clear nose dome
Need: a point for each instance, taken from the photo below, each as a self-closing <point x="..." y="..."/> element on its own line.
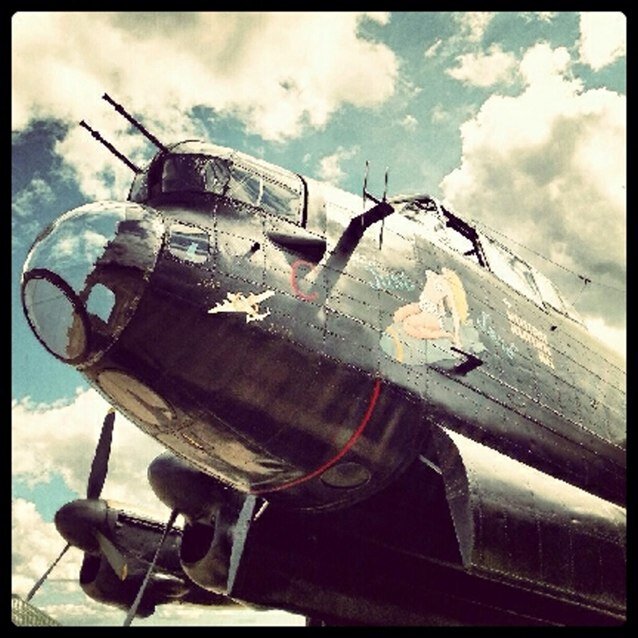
<point x="85" y="274"/>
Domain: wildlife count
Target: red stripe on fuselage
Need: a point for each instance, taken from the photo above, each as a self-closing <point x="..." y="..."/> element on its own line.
<point x="351" y="441"/>
<point x="293" y="280"/>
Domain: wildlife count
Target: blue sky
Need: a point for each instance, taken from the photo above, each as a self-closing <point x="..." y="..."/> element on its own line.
<point x="516" y="120"/>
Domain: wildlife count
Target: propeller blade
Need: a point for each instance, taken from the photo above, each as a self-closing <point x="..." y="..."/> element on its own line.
<point x="100" y="463"/>
<point x="113" y="555"/>
<point x="46" y="573"/>
<point x="133" y="610"/>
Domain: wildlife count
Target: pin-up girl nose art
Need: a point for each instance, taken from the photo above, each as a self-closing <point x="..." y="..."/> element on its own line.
<point x="425" y="331"/>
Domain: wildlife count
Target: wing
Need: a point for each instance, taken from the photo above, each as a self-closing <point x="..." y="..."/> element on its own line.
<point x="224" y="307"/>
<point x="262" y="296"/>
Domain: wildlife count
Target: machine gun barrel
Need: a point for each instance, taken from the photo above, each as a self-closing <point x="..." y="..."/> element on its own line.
<point x="120" y="156"/>
<point x="122" y="111"/>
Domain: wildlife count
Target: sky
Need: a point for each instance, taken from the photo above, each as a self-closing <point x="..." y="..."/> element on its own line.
<point x="516" y="121"/>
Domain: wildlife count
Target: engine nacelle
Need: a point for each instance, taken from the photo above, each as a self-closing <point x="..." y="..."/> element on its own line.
<point x="99" y="581"/>
<point x="206" y="549"/>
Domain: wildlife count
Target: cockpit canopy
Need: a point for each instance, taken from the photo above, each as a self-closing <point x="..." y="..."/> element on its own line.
<point x="448" y="231"/>
<point x="201" y="169"/>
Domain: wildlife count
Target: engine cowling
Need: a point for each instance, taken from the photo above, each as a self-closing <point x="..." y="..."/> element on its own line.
<point x="99" y="581"/>
<point x="206" y="549"/>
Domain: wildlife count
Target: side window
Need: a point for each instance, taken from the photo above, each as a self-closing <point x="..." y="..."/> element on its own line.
<point x="553" y="298"/>
<point x="216" y="174"/>
<point x="188" y="243"/>
<point x="510" y="269"/>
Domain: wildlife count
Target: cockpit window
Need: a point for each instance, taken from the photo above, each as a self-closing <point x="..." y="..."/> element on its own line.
<point x="188" y="173"/>
<point x="260" y="184"/>
<point x="238" y="176"/>
<point x="246" y="186"/>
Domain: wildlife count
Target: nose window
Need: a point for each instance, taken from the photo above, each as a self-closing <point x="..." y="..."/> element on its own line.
<point x="45" y="296"/>
<point x="85" y="275"/>
<point x="100" y="302"/>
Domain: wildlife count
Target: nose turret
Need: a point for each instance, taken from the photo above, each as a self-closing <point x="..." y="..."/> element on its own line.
<point x="86" y="273"/>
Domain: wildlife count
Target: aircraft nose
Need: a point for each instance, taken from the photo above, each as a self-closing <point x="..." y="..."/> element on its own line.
<point x="78" y="521"/>
<point x="85" y="274"/>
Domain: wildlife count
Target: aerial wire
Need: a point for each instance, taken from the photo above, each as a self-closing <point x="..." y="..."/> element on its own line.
<point x="586" y="280"/>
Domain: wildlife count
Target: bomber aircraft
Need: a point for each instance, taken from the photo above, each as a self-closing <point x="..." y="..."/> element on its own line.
<point x="374" y="412"/>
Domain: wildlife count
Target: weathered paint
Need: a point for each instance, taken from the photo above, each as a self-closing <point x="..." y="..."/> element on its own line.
<point x="277" y="399"/>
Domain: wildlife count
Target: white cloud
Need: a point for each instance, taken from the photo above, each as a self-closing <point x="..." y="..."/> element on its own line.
<point x="279" y="72"/>
<point x="382" y="17"/>
<point x="615" y="338"/>
<point x="473" y="24"/>
<point x="330" y="166"/>
<point x="409" y="123"/>
<point x="439" y="114"/>
<point x="542" y="16"/>
<point x="548" y="168"/>
<point x="188" y="615"/>
<point x="432" y="50"/>
<point x="34" y="546"/>
<point x="484" y="69"/>
<point x="37" y="193"/>
<point x="603" y="38"/>
<point x="24" y="209"/>
<point x="62" y="440"/>
<point x="87" y="613"/>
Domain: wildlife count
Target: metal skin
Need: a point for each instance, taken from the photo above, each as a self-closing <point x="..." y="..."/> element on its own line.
<point x="261" y="349"/>
<point x="394" y="560"/>
<point x="136" y="538"/>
